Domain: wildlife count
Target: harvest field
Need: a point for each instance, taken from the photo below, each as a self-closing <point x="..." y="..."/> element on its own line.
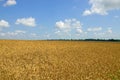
<point x="59" y="60"/>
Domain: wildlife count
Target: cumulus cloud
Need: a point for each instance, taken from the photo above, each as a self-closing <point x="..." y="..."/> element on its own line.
<point x="10" y="3"/>
<point x="109" y="30"/>
<point x="102" y="7"/>
<point x="33" y="34"/>
<point x="68" y="28"/>
<point x="106" y="34"/>
<point x="20" y="31"/>
<point x="69" y="24"/>
<point x="15" y="33"/>
<point x="4" y="23"/>
<point x="79" y="31"/>
<point x="94" y="29"/>
<point x="61" y="25"/>
<point x="26" y="21"/>
<point x="19" y="34"/>
<point x="2" y="34"/>
<point x="87" y="12"/>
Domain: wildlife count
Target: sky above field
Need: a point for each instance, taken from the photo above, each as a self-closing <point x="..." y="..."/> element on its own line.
<point x="59" y="19"/>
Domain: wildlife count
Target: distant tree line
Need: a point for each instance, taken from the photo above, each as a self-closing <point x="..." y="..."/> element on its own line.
<point x="116" y="40"/>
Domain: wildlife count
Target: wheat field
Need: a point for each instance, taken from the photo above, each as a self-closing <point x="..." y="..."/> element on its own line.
<point x="59" y="60"/>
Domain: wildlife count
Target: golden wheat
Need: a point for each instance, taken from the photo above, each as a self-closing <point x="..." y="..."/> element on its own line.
<point x="59" y="60"/>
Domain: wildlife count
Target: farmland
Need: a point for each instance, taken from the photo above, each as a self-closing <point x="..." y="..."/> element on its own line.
<point x="59" y="60"/>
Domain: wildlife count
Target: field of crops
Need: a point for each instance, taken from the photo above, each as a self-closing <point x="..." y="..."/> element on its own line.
<point x="59" y="60"/>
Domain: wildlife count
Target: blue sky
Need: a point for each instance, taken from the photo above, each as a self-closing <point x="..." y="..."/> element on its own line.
<point x="59" y="19"/>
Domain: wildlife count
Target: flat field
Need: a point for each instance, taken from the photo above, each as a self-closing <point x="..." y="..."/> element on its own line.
<point x="59" y="60"/>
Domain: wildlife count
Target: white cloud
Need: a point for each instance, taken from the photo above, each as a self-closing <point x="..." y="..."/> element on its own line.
<point x="20" y="31"/>
<point x="61" y="25"/>
<point x="47" y="36"/>
<point x="109" y="30"/>
<point x="2" y="34"/>
<point x="15" y="33"/>
<point x="79" y="31"/>
<point x="10" y="3"/>
<point x="68" y="28"/>
<point x="57" y="32"/>
<point x="34" y="35"/>
<point x="69" y="24"/>
<point x="4" y="23"/>
<point x="107" y="34"/>
<point x="87" y="12"/>
<point x="94" y="29"/>
<point x="102" y="7"/>
<point x="26" y="21"/>
<point x="19" y="34"/>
